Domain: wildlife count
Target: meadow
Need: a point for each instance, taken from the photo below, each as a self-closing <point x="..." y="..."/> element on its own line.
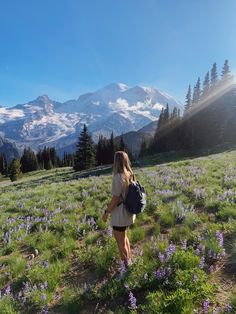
<point x="58" y="256"/>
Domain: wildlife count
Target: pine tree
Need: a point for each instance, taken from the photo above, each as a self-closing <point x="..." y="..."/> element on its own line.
<point x="53" y="156"/>
<point x="225" y="75"/>
<point x="46" y="158"/>
<point x="85" y="153"/>
<point x="3" y="165"/>
<point x="197" y="92"/>
<point x="188" y="101"/>
<point x="166" y="114"/>
<point x="144" y="147"/>
<point x="122" y="143"/>
<point x="160" y="120"/>
<point x="28" y="161"/>
<point x="206" y="85"/>
<point x="111" y="148"/>
<point x="214" y="75"/>
<point x="15" y="170"/>
<point x="100" y="151"/>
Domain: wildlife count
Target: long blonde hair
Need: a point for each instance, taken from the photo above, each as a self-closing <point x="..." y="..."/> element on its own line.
<point x="122" y="165"/>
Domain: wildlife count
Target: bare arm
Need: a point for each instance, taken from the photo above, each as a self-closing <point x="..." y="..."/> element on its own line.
<point x="114" y="202"/>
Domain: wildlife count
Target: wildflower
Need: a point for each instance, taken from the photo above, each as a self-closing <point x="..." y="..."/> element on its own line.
<point x="215" y="310"/>
<point x="228" y="308"/>
<point x="195" y="277"/>
<point x="44" y="297"/>
<point x="109" y="232"/>
<point x="170" y="250"/>
<point x="161" y="257"/>
<point x="123" y="266"/>
<point x="159" y="273"/>
<point x="206" y="306"/>
<point x="132" y="300"/>
<point x="202" y="262"/>
<point x="45" y="310"/>
<point x="8" y="290"/>
<point x="220" y="238"/>
<point x="211" y="268"/>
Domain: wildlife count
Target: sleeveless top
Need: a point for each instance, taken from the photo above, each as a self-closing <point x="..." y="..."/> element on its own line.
<point x="120" y="216"/>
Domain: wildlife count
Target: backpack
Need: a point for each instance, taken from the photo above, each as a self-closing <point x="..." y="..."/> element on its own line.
<point x="135" y="200"/>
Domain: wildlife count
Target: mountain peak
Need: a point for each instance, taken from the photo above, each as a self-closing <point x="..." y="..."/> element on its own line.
<point x="116" y="87"/>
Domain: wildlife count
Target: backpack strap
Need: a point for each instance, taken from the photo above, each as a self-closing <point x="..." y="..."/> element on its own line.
<point x="123" y="201"/>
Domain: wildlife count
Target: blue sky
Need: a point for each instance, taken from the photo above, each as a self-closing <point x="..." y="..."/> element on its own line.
<point x="64" y="48"/>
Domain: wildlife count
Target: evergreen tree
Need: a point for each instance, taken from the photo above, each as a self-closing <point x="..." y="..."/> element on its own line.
<point x="111" y="148"/>
<point x="28" y="161"/>
<point x="101" y="150"/>
<point x="53" y="156"/>
<point x="15" y="170"/>
<point x="197" y="92"/>
<point x="3" y="165"/>
<point x="166" y="114"/>
<point x="206" y="85"/>
<point x="144" y="147"/>
<point x="85" y="153"/>
<point x="39" y="158"/>
<point x="46" y="158"/>
<point x="214" y="75"/>
<point x="122" y="143"/>
<point x="160" y="120"/>
<point x="188" y="101"/>
<point x="225" y="75"/>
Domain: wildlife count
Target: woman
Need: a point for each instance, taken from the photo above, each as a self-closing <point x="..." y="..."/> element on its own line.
<point x="120" y="217"/>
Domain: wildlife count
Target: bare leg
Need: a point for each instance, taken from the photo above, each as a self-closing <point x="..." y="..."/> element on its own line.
<point x="128" y="246"/>
<point x="120" y="237"/>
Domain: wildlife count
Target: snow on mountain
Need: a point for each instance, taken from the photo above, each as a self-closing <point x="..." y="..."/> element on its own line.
<point x="115" y="107"/>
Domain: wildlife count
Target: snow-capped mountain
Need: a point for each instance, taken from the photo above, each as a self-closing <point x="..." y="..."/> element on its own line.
<point x="8" y="149"/>
<point x="115" y="107"/>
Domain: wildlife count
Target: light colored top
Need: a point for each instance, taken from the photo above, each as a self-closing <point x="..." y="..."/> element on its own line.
<point x="120" y="216"/>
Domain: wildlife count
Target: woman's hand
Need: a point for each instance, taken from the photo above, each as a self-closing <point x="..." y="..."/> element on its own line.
<point x="105" y="216"/>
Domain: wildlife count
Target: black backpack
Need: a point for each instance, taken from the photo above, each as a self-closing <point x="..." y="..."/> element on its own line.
<point x="135" y="200"/>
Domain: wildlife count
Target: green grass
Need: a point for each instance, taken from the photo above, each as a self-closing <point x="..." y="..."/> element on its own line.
<point x="58" y="214"/>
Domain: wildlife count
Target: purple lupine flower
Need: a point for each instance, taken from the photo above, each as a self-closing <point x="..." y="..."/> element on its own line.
<point x="8" y="290"/>
<point x="109" y="232"/>
<point x="220" y="238"/>
<point x="170" y="250"/>
<point x="215" y="310"/>
<point x="206" y="306"/>
<point x="202" y="262"/>
<point x="211" y="269"/>
<point x="123" y="266"/>
<point x="228" y="308"/>
<point x="159" y="273"/>
<point x="161" y="257"/>
<point x="44" y="297"/>
<point x="132" y="301"/>
<point x="45" y="310"/>
<point x="197" y="251"/>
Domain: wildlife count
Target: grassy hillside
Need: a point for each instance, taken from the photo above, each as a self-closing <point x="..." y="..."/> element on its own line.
<point x="57" y="256"/>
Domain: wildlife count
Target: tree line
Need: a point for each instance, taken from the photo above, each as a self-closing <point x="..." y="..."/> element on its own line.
<point x="87" y="155"/>
<point x="209" y="117"/>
